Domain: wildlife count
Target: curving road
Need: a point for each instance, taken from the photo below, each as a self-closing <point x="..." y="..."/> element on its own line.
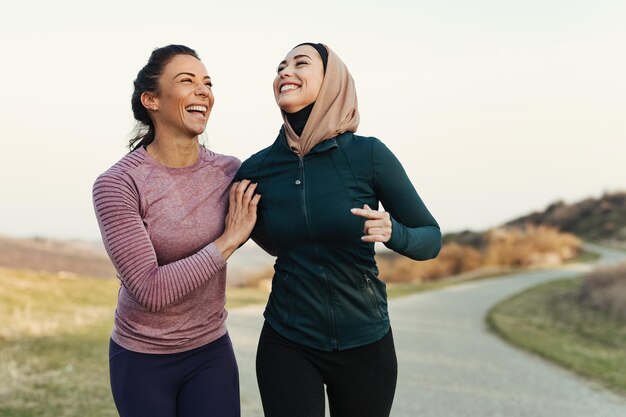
<point x="450" y="365"/>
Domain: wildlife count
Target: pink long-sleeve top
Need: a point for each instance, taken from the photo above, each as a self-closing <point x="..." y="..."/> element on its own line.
<point x="158" y="225"/>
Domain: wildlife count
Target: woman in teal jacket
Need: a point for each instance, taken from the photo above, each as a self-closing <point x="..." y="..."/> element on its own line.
<point x="326" y="321"/>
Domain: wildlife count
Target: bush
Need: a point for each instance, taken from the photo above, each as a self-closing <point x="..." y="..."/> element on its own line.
<point x="515" y="247"/>
<point x="452" y="260"/>
<point x="605" y="289"/>
<point x="529" y="245"/>
<point x="469" y="251"/>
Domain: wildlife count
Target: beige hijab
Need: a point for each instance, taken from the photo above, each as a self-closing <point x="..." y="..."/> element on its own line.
<point x="335" y="110"/>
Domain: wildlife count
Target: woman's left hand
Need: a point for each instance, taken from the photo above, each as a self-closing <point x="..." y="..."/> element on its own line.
<point x="377" y="226"/>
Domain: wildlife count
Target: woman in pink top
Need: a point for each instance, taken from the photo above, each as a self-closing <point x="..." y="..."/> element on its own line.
<point x="170" y="218"/>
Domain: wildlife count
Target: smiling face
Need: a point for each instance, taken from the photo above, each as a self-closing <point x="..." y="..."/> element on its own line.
<point x="299" y="79"/>
<point x="184" y="100"/>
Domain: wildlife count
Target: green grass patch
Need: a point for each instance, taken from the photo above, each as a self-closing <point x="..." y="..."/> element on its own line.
<point x="585" y="256"/>
<point x="54" y="339"/>
<point x="54" y="333"/>
<point x="548" y="320"/>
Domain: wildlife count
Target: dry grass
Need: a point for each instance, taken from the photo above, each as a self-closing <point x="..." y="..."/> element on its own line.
<point x="521" y="247"/>
<point x="41" y="304"/>
<point x="53" y="341"/>
<point x="453" y="259"/>
<point x="496" y="250"/>
<point x="605" y="289"/>
<point x="75" y="257"/>
<point x="529" y="246"/>
<point x="54" y="332"/>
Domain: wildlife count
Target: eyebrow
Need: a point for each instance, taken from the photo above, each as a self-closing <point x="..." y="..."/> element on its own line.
<point x="295" y="57"/>
<point x="190" y="74"/>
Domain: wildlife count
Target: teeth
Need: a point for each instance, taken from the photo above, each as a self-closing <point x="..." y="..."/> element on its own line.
<point x="287" y="87"/>
<point x="196" y="108"/>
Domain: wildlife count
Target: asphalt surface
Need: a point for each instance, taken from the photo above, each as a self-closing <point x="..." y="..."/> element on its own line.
<point x="451" y="365"/>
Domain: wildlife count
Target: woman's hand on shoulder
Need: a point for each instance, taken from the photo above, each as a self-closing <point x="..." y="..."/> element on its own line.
<point x="377" y="227"/>
<point x="241" y="217"/>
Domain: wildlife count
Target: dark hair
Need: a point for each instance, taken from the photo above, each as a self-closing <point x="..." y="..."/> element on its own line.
<point x="321" y="49"/>
<point x="148" y="81"/>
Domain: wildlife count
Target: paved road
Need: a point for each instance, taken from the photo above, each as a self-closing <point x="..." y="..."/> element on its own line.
<point x="452" y="366"/>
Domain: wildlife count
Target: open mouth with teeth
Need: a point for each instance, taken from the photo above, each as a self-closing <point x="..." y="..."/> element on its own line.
<point x="288" y="87"/>
<point x="197" y="110"/>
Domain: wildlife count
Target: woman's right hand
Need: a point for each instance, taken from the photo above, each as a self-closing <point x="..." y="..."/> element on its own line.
<point x="240" y="219"/>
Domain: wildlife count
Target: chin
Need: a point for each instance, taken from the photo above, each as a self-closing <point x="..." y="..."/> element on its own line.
<point x="289" y="108"/>
<point x="286" y="105"/>
<point x="196" y="131"/>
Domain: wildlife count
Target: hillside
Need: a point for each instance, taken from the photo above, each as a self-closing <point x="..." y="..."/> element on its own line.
<point x="595" y="219"/>
<point x="38" y="254"/>
<point x="86" y="258"/>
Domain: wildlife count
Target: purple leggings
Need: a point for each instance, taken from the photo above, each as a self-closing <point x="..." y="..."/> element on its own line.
<point x="199" y="382"/>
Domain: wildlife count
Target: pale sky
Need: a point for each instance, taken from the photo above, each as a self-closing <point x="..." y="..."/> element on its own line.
<point x="495" y="108"/>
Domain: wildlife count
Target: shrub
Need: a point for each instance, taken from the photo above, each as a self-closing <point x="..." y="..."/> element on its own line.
<point x="452" y="260"/>
<point x="529" y="245"/>
<point x="605" y="289"/>
<point x="504" y="247"/>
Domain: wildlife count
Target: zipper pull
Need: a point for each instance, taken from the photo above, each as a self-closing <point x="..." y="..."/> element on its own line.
<point x="300" y="169"/>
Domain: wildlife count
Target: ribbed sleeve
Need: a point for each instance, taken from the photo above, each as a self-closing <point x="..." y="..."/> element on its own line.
<point x="117" y="205"/>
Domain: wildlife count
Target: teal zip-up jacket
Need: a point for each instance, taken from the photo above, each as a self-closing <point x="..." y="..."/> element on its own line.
<point x="326" y="293"/>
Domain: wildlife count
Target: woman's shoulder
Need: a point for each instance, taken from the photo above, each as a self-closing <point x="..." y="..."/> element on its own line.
<point x="364" y="145"/>
<point x="118" y="183"/>
<point x="121" y="169"/>
<point x="255" y="160"/>
<point x="226" y="163"/>
<point x="366" y="140"/>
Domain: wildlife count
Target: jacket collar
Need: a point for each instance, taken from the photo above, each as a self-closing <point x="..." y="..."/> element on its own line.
<point x="323" y="146"/>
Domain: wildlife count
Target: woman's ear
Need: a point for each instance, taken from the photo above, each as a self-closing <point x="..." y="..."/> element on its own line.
<point x="149" y="101"/>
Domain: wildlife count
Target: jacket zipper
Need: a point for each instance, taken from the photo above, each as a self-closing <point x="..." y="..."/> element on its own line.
<point x="368" y="284"/>
<point x="300" y="182"/>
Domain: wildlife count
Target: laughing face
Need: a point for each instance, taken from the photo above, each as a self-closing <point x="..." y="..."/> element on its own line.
<point x="299" y="79"/>
<point x="184" y="100"/>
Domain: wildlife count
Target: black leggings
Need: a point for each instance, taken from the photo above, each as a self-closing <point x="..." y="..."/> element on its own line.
<point x="197" y="383"/>
<point x="360" y="382"/>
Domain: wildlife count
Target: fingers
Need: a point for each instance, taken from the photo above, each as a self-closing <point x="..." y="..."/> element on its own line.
<point x="378" y="226"/>
<point x="368" y="213"/>
<point x="242" y="212"/>
<point x="240" y="190"/>
<point x="232" y="194"/>
<point x="377" y="231"/>
<point x="375" y="238"/>
<point x="255" y="201"/>
<point x="247" y="196"/>
<point x="242" y="193"/>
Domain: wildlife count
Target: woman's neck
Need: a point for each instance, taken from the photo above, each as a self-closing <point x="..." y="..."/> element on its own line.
<point x="298" y="119"/>
<point x="174" y="152"/>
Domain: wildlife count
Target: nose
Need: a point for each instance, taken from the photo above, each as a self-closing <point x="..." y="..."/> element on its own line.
<point x="203" y="90"/>
<point x="286" y="72"/>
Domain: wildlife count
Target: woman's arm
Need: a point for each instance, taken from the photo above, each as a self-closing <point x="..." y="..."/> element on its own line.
<point x="415" y="233"/>
<point x="259" y="234"/>
<point x="116" y="204"/>
<point x="260" y="237"/>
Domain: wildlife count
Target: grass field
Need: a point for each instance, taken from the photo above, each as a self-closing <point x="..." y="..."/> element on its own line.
<point x="54" y="333"/>
<point x="53" y="344"/>
<point x="549" y="321"/>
